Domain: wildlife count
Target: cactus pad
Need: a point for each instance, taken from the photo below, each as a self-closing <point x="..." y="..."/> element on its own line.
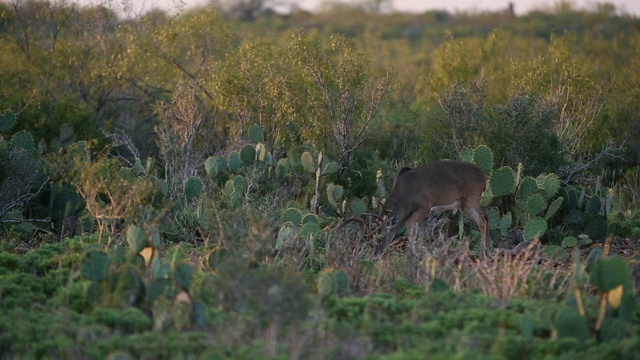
<point x="7" y="121"/>
<point x="308" y="162"/>
<point x="183" y="275"/>
<point x="494" y="218"/>
<point x="235" y="162"/>
<point x="359" y="206"/>
<point x="535" y="228"/>
<point x="137" y="238"/>
<point x="193" y="187"/>
<point x="95" y="265"/>
<point x="483" y="157"/>
<point x="549" y="183"/>
<point x="330" y="168"/>
<point x="335" y="194"/>
<point x="609" y="273"/>
<point x="536" y="204"/>
<point x="256" y="133"/>
<point x="527" y="187"/>
<point x="215" y="166"/>
<point x="248" y="154"/>
<point x="292" y="216"/>
<point x="310" y="230"/>
<point x="24" y="140"/>
<point x="553" y="208"/>
<point x="502" y="182"/>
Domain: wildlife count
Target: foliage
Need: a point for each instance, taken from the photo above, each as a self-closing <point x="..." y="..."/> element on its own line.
<point x="244" y="161"/>
<point x="344" y="93"/>
<point x="21" y="172"/>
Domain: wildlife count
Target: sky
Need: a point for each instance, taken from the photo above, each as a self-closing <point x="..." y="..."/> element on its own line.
<point x="521" y="6"/>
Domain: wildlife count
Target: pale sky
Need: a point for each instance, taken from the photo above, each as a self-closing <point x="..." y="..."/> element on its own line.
<point x="521" y="6"/>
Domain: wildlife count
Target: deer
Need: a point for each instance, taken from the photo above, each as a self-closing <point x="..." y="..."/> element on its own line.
<point x="439" y="185"/>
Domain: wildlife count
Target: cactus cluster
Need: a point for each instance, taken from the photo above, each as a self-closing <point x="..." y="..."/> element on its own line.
<point x="525" y="202"/>
<point x="298" y="224"/>
<point x="586" y="212"/>
<point x="142" y="279"/>
<point x="611" y="278"/>
<point x="320" y="166"/>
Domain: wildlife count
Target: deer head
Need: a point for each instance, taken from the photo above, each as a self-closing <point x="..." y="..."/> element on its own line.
<point x="439" y="185"/>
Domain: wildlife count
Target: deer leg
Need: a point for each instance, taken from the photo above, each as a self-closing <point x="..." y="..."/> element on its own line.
<point x="412" y="227"/>
<point x="483" y="222"/>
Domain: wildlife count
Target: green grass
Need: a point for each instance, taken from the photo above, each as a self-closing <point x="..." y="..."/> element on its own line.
<point x="268" y="311"/>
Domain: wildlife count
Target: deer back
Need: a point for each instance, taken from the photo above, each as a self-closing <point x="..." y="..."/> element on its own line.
<point x="438" y="183"/>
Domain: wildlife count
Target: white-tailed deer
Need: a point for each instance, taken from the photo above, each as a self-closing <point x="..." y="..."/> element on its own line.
<point x="439" y="185"/>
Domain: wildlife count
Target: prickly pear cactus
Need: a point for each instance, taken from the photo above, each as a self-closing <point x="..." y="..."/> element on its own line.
<point x="311" y="231"/>
<point x="256" y="133"/>
<point x="137" y="238"/>
<point x="535" y="228"/>
<point x="286" y="236"/>
<point x="505" y="223"/>
<point x="483" y="157"/>
<point x="183" y="275"/>
<point x="536" y="205"/>
<point x="609" y="273"/>
<point x="502" y="182"/>
<point x="467" y="155"/>
<point x="248" y="154"/>
<point x="95" y="265"/>
<point x="193" y="187"/>
<point x="235" y="162"/>
<point x="234" y="190"/>
<point x="308" y="162"/>
<point x="527" y="187"/>
<point x="24" y="140"/>
<point x="553" y="208"/>
<point x="7" y="121"/>
<point x="215" y="166"/>
<point x="494" y="218"/>
<point x="359" y="207"/>
<point x="159" y="287"/>
<point x="282" y="169"/>
<point x="330" y="168"/>
<point x="292" y="216"/>
<point x="550" y="184"/>
<point x="335" y="194"/>
<point x="307" y="218"/>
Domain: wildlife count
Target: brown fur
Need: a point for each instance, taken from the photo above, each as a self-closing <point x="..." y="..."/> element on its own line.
<point x="440" y="184"/>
